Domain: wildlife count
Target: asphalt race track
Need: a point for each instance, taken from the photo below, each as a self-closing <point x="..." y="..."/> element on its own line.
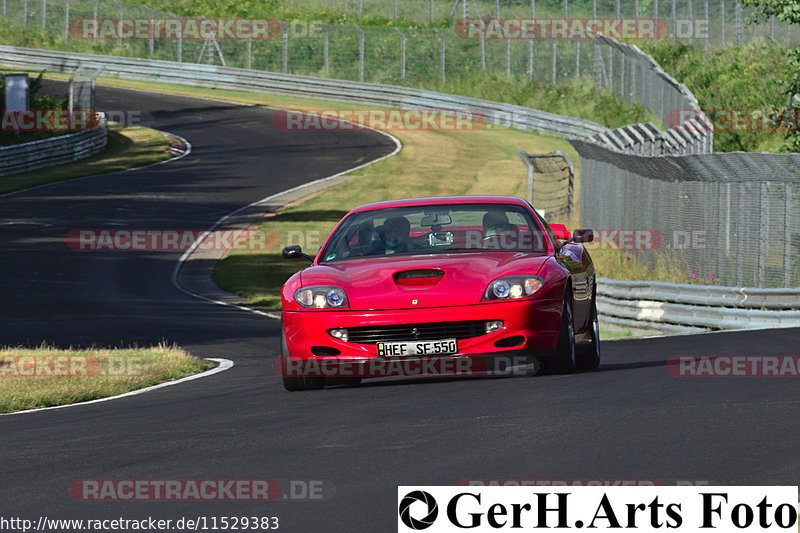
<point x="629" y="420"/>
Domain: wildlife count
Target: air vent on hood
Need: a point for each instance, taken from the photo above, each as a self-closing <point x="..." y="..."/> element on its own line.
<point x="421" y="277"/>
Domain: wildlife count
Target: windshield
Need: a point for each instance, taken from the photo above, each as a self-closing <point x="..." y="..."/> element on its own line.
<point x="436" y="229"/>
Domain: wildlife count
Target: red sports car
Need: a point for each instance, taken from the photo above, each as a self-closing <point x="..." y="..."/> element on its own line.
<point x="452" y="280"/>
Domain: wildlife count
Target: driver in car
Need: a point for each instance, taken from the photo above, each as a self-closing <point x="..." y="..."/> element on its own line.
<point x="396" y="234"/>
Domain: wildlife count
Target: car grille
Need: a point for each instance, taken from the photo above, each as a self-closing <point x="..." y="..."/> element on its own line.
<point x="412" y="332"/>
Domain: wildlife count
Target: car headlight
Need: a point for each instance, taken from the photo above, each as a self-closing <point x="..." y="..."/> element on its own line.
<point x="321" y="297"/>
<point x="512" y="287"/>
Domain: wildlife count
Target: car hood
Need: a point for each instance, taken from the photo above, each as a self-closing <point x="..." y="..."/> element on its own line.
<point x="374" y="283"/>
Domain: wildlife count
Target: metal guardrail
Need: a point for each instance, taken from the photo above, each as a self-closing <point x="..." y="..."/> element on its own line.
<point x="495" y="113"/>
<point x="53" y="151"/>
<point x="685" y="307"/>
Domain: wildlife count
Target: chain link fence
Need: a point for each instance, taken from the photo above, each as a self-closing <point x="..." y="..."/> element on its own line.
<point x="721" y="218"/>
<point x="409" y="55"/>
<point x="551" y="183"/>
<point x="710" y="23"/>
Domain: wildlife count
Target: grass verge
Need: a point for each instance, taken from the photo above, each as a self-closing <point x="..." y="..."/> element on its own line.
<point x="46" y="376"/>
<point x="606" y="334"/>
<point x="128" y="147"/>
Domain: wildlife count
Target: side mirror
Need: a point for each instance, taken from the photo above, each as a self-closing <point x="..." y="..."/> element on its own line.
<point x="583" y="235"/>
<point x="561" y="232"/>
<point x="294" y="251"/>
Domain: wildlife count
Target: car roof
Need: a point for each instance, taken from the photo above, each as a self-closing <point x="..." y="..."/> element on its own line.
<point x="441" y="200"/>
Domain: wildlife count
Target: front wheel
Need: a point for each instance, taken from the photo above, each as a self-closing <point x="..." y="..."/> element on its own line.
<point x="295" y="383"/>
<point x="564" y="360"/>
<point x="589" y="356"/>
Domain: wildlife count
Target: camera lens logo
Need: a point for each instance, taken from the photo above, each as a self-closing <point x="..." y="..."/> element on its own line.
<point x="405" y="510"/>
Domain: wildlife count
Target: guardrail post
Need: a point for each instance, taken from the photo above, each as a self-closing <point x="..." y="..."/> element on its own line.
<point x="360" y="52"/>
<point x="553" y="65"/>
<point x="44" y="14"/>
<point x="443" y="53"/>
<point x="402" y="53"/>
<point x="285" y="48"/>
<point x="25" y="12"/>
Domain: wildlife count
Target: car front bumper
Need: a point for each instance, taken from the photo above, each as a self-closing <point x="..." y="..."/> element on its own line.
<point x="529" y="327"/>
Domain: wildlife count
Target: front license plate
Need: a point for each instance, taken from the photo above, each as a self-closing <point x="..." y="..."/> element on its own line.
<point x="400" y="349"/>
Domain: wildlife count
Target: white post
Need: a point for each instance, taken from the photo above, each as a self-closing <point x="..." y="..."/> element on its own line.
<point x="152" y="30"/>
<point x="360" y="52"/>
<point x="326" y="48"/>
<point x="443" y="53"/>
<point x="402" y="53"/>
<point x="180" y="40"/>
<point x="530" y="43"/>
<point x="285" y="48"/>
<point x="66" y="21"/>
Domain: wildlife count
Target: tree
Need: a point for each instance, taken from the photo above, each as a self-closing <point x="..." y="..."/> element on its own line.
<point x="787" y="11"/>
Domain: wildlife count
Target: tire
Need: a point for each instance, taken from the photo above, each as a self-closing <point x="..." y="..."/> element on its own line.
<point x="589" y="356"/>
<point x="296" y="383"/>
<point x="564" y="361"/>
